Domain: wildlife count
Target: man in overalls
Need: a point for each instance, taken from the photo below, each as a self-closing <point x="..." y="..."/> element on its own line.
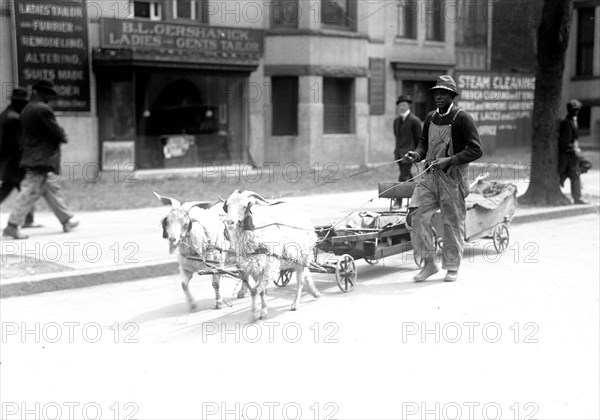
<point x="449" y="143"/>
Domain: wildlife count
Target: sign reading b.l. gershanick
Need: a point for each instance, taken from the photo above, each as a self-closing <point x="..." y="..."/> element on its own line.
<point x="52" y="43"/>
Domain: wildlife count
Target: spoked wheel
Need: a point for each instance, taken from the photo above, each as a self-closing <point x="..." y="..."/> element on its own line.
<point x="418" y="260"/>
<point x="372" y="261"/>
<point x="284" y="278"/>
<point x="345" y="273"/>
<point x="501" y="238"/>
<point x="437" y="245"/>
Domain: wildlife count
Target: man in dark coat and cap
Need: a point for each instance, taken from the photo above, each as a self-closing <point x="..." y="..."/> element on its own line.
<point x="42" y="138"/>
<point x="11" y="174"/>
<point x="407" y="131"/>
<point x="569" y="152"/>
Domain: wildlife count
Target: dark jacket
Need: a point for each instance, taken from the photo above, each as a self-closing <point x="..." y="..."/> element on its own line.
<point x="407" y="134"/>
<point x="567" y="135"/>
<point x="10" y="147"/>
<point x="41" y="138"/>
<point x="465" y="137"/>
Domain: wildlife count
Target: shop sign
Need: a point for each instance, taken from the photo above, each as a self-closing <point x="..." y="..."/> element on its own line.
<point x="51" y="41"/>
<point x="173" y="39"/>
<point x="496" y="101"/>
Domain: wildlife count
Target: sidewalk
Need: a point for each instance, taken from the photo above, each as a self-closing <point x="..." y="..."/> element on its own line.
<point x="124" y="245"/>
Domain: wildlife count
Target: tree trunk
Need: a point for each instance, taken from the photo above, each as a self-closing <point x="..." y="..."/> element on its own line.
<point x="553" y="39"/>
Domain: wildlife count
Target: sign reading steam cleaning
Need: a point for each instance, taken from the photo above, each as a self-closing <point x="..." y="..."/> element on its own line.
<point x="52" y="44"/>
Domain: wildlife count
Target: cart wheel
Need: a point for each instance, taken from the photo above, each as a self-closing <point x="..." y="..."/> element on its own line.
<point x="345" y="273"/>
<point x="418" y="259"/>
<point x="438" y="242"/>
<point x="501" y="237"/>
<point x="372" y="261"/>
<point x="284" y="278"/>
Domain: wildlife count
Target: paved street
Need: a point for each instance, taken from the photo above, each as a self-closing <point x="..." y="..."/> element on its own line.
<point x="516" y="337"/>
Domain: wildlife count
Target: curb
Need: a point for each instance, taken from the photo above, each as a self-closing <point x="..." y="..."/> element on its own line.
<point x="84" y="278"/>
<point x="555" y="213"/>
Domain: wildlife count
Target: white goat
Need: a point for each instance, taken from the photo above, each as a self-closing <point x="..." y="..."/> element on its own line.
<point x="268" y="238"/>
<point x="196" y="230"/>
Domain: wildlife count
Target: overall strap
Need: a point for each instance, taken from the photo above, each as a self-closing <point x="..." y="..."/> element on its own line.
<point x="450" y="147"/>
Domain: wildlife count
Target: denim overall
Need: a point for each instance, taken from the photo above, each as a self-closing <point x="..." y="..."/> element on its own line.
<point x="444" y="190"/>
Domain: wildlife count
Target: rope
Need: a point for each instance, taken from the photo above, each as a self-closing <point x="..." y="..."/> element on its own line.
<point x="342" y="179"/>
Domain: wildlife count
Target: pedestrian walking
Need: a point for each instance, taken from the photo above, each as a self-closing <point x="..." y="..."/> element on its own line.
<point x="11" y="174"/>
<point x="450" y="141"/>
<point x="569" y="151"/>
<point x="407" y="131"/>
<point x="42" y="138"/>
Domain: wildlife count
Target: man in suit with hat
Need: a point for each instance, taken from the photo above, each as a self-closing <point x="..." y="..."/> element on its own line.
<point x="449" y="143"/>
<point x="407" y="131"/>
<point x="569" y="152"/>
<point x="11" y="174"/>
<point x="42" y="138"/>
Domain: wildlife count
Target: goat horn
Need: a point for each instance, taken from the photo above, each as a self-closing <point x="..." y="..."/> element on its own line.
<point x="258" y="197"/>
<point x="220" y="199"/>
<point x="167" y="201"/>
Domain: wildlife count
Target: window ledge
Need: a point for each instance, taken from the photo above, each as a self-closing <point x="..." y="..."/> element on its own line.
<point x="405" y="41"/>
<point x="310" y="32"/>
<point x="583" y="78"/>
<point x="432" y="43"/>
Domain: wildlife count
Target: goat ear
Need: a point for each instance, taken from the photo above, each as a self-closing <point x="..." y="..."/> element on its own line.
<point x="167" y="201"/>
<point x="164" y="228"/>
<point x="201" y="204"/>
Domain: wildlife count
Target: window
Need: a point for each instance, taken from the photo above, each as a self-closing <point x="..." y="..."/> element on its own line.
<point x="583" y="120"/>
<point x="471" y="23"/>
<point x="147" y="9"/>
<point x="284" y="103"/>
<point x="190" y="10"/>
<point x="284" y="13"/>
<point x="407" y="19"/>
<point x="585" y="41"/>
<point x="340" y="14"/>
<point x="434" y="20"/>
<point x="337" y="105"/>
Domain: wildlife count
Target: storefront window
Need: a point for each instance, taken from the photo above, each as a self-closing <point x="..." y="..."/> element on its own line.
<point x="186" y="118"/>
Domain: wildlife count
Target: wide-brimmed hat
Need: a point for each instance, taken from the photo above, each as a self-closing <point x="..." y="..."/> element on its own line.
<point x="19" y="94"/>
<point x="446" y="83"/>
<point x="573" y="104"/>
<point x="404" y="99"/>
<point x="45" y="86"/>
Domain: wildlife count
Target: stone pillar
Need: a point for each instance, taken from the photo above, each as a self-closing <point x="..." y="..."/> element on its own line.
<point x="310" y="118"/>
<point x="361" y="118"/>
<point x="310" y="14"/>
